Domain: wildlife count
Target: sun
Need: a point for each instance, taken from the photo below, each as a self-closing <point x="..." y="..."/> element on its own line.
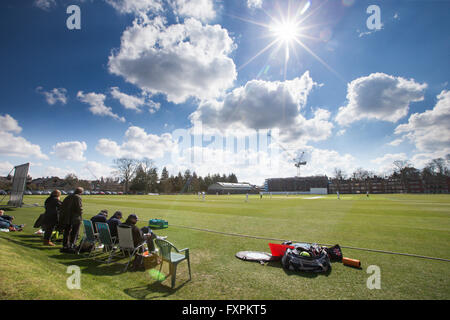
<point x="285" y="31"/>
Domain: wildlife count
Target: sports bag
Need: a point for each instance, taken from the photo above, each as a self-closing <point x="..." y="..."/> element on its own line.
<point x="315" y="262"/>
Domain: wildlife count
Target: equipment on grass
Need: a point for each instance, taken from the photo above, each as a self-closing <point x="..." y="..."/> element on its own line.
<point x="278" y="250"/>
<point x="351" y="262"/>
<point x="158" y="223"/>
<point x="316" y="262"/>
<point x="260" y="257"/>
<point x="335" y="253"/>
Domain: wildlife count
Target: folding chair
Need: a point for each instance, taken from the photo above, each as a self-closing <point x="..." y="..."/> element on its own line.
<point x="89" y="236"/>
<point x="126" y="243"/>
<point x="173" y="258"/>
<point x="105" y="238"/>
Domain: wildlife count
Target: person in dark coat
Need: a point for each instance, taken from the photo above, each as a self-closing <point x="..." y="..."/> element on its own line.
<point x="51" y="216"/>
<point x="71" y="218"/>
<point x="139" y="236"/>
<point x="113" y="222"/>
<point x="102" y="216"/>
<point x="6" y="217"/>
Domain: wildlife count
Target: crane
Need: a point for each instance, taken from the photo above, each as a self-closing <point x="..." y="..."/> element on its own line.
<point x="298" y="161"/>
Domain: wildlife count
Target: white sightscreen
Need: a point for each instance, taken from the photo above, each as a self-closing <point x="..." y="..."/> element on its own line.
<point x="18" y="185"/>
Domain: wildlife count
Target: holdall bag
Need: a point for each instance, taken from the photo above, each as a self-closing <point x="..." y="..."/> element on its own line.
<point x="335" y="253"/>
<point x="293" y="261"/>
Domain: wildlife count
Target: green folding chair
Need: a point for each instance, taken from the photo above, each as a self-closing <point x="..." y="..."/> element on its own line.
<point x="173" y="258"/>
<point x="104" y="236"/>
<point x="89" y="236"/>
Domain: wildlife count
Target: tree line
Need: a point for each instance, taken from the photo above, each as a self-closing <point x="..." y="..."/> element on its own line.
<point x="142" y="176"/>
<point x="403" y="170"/>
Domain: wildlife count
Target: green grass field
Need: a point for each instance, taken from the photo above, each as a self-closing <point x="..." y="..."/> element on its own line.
<point x="418" y="224"/>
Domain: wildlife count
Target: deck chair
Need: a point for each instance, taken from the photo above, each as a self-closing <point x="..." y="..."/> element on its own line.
<point x="173" y="258"/>
<point x="89" y="236"/>
<point x="105" y="238"/>
<point x="126" y="244"/>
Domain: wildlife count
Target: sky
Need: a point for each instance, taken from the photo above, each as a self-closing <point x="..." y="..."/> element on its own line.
<point x="223" y="86"/>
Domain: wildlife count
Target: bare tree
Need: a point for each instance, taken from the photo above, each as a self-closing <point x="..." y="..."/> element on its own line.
<point x="399" y="165"/>
<point x="126" y="169"/>
<point x="339" y="174"/>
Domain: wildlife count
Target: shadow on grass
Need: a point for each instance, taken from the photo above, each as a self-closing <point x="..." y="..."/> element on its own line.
<point x="88" y="264"/>
<point x="36" y="243"/>
<point x="305" y="274"/>
<point x="162" y="291"/>
<point x="95" y="265"/>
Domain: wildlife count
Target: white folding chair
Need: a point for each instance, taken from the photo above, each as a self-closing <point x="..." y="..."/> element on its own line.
<point x="126" y="243"/>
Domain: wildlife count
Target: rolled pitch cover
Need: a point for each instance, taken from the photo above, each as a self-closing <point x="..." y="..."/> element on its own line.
<point x="351" y="262"/>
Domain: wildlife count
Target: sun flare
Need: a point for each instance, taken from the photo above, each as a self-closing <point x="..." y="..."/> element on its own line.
<point x="285" y="31"/>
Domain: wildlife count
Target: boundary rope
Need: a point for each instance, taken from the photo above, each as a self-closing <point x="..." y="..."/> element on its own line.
<point x="322" y="244"/>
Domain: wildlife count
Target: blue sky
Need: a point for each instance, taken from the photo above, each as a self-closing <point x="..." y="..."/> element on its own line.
<point x="138" y="73"/>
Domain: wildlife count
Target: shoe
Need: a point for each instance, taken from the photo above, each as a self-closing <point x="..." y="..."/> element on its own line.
<point x="161" y="237"/>
<point x="48" y="243"/>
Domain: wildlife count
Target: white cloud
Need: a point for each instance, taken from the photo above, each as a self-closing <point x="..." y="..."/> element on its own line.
<point x="9" y="124"/>
<point x="128" y="101"/>
<point x="430" y="130"/>
<point x="97" y="103"/>
<point x="16" y="146"/>
<point x="181" y="60"/>
<point x="136" y="6"/>
<point x="134" y="102"/>
<point x="385" y="163"/>
<point x="199" y="9"/>
<point x="95" y="170"/>
<point x="379" y="96"/>
<point x="396" y="142"/>
<point x="265" y="105"/>
<point x="72" y="150"/>
<point x="254" y="3"/>
<point x="45" y="4"/>
<point x="52" y="171"/>
<point x="53" y="96"/>
<point x="137" y="145"/>
<point x="5" y="168"/>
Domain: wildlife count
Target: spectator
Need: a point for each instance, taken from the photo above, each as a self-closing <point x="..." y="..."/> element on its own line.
<point x="7" y="223"/>
<point x="51" y="216"/>
<point x="113" y="222"/>
<point x="139" y="236"/>
<point x="100" y="217"/>
<point x="6" y="217"/>
<point x="71" y="217"/>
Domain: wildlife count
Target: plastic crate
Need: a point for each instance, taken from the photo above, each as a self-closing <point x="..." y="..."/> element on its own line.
<point x="158" y="223"/>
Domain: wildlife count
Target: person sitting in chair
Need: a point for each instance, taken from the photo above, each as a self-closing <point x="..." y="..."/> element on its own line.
<point x="141" y="235"/>
<point x="100" y="217"/>
<point x="113" y="222"/>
